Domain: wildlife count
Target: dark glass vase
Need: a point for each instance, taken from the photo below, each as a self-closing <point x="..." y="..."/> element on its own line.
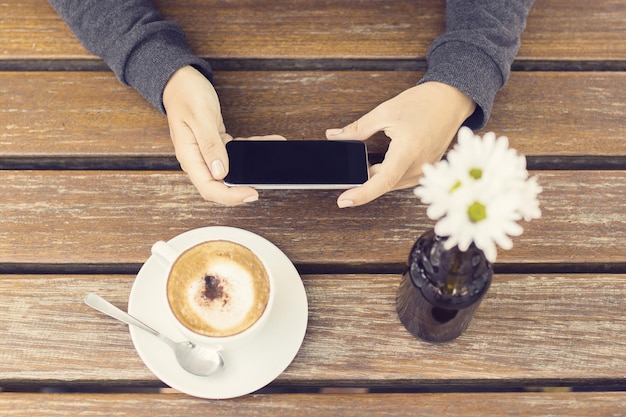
<point x="441" y="288"/>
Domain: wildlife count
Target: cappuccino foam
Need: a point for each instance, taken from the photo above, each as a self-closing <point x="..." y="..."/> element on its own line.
<point x="218" y="288"/>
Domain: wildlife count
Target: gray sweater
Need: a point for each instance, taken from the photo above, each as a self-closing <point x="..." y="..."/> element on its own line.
<point x="143" y="49"/>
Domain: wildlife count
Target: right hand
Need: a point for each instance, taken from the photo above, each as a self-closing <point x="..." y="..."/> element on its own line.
<point x="199" y="136"/>
<point x="421" y="122"/>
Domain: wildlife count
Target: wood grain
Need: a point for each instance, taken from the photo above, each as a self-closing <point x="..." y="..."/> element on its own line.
<point x="73" y="114"/>
<point x="575" y="30"/>
<point x="113" y="217"/>
<point x="533" y="330"/>
<point x="557" y="29"/>
<point x="427" y="405"/>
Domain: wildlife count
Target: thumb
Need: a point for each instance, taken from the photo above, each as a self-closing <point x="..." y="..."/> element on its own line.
<point x="360" y="129"/>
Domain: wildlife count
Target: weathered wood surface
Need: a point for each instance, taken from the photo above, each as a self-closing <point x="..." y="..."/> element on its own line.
<point x="557" y="29"/>
<point x="113" y="217"/>
<point x="546" y="329"/>
<point x="610" y="404"/>
<point x="66" y="114"/>
<point x="64" y="233"/>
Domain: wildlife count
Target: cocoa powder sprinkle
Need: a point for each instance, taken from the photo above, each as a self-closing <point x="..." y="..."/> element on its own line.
<point x="212" y="288"/>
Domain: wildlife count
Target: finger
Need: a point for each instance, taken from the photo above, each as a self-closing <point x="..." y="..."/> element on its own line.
<point x="218" y="192"/>
<point x="406" y="182"/>
<point x="211" y="145"/>
<point x="385" y="177"/>
<point x="361" y="129"/>
<point x="193" y="163"/>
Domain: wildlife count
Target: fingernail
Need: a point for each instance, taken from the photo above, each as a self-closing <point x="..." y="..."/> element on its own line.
<point x="334" y="132"/>
<point x="251" y="199"/>
<point x="345" y="203"/>
<point x="217" y="169"/>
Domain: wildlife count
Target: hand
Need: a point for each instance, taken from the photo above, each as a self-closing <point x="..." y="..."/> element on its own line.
<point x="421" y="122"/>
<point x="199" y="135"/>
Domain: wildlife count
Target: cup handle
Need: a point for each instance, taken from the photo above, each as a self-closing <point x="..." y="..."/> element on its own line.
<point x="164" y="253"/>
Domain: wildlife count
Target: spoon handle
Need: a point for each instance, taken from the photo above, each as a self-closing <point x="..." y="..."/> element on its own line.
<point x="102" y="305"/>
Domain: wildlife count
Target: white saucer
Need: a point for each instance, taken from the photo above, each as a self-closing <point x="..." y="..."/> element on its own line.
<point x="248" y="368"/>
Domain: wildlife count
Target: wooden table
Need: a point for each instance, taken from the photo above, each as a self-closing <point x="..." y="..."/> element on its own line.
<point x="89" y="181"/>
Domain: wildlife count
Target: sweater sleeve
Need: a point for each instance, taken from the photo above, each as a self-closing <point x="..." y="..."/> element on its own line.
<point x="141" y="47"/>
<point x="477" y="50"/>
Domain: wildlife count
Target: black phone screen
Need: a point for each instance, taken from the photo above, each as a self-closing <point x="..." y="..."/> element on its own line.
<point x="306" y="163"/>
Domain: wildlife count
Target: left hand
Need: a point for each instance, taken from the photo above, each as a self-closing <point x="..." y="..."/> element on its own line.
<point x="421" y="122"/>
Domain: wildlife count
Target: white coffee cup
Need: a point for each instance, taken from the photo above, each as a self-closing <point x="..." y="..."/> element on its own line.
<point x="218" y="292"/>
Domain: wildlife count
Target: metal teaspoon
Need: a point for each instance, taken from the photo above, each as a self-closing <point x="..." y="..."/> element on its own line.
<point x="192" y="358"/>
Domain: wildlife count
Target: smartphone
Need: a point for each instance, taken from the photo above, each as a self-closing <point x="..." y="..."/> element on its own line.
<point x="297" y="164"/>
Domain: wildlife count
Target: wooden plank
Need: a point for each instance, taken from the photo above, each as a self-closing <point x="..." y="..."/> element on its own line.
<point x="91" y="114"/>
<point x="575" y="30"/>
<point x="537" y="330"/>
<point x="113" y="217"/>
<point x="563" y="114"/>
<point x="427" y="405"/>
<point x="77" y="113"/>
<point x="557" y="29"/>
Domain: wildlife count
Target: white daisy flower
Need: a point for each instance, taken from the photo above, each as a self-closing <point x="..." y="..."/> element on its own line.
<point x="529" y="207"/>
<point x="436" y="188"/>
<point x="479" y="193"/>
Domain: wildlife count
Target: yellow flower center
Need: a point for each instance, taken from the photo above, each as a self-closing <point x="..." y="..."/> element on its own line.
<point x="476" y="173"/>
<point x="477" y="212"/>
